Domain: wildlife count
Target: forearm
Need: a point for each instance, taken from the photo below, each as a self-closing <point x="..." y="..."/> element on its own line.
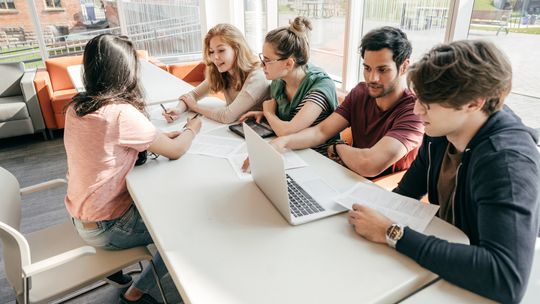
<point x="307" y="138"/>
<point x="231" y="112"/>
<point x="359" y="160"/>
<point x="495" y="275"/>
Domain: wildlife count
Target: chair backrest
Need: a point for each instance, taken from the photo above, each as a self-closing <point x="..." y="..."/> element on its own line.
<point x="57" y="68"/>
<point x="15" y="247"/>
<point x="11" y="72"/>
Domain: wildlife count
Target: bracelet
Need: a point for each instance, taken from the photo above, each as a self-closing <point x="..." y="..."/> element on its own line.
<point x="339" y="142"/>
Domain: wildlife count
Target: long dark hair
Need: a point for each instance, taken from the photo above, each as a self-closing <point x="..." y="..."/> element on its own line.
<point x="110" y="75"/>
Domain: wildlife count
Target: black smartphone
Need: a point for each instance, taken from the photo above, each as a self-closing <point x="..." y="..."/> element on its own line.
<point x="260" y="129"/>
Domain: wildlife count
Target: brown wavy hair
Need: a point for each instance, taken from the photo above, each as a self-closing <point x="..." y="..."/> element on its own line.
<point x="292" y="40"/>
<point x="110" y="75"/>
<point x="245" y="61"/>
<point x="456" y="73"/>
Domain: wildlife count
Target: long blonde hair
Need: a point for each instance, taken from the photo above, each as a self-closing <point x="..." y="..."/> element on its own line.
<point x="244" y="63"/>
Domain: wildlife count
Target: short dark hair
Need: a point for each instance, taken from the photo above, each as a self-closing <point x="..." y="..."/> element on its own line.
<point x="456" y="73"/>
<point x="387" y="37"/>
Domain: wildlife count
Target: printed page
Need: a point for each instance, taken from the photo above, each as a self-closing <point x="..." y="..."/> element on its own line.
<point x="215" y="146"/>
<point x="159" y="121"/>
<point x="291" y="159"/>
<point x="398" y="208"/>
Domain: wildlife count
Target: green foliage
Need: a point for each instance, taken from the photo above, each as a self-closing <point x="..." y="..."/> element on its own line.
<point x="484" y="5"/>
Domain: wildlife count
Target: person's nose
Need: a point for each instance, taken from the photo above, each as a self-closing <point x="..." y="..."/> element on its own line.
<point x="372" y="76"/>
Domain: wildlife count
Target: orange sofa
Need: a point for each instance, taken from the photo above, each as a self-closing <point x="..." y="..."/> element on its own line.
<point x="190" y="72"/>
<point x="55" y="90"/>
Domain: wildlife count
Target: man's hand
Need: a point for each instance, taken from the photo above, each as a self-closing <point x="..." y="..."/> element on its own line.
<point x="369" y="223"/>
<point x="333" y="156"/>
<point x="279" y="143"/>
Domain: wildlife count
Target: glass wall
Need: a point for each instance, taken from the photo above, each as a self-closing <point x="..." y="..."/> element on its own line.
<point x="167" y="29"/>
<point x="514" y="26"/>
<point x="255" y="23"/>
<point x="328" y="35"/>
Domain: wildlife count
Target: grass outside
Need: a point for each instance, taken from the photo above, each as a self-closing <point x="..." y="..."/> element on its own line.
<point x="484" y="5"/>
<point x="31" y="60"/>
<point x="531" y="30"/>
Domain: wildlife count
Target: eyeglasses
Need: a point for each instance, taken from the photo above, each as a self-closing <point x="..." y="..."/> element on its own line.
<point x="267" y="61"/>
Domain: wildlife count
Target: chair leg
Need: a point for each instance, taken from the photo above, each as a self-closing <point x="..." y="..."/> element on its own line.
<point x="26" y="290"/>
<point x="158" y="281"/>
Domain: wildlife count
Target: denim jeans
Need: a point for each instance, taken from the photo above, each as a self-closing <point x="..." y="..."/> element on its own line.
<point x="125" y="232"/>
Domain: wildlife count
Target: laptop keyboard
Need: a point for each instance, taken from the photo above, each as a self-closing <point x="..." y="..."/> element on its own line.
<point x="300" y="201"/>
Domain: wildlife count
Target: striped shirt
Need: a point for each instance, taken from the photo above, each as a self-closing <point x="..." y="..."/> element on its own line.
<point x="319" y="99"/>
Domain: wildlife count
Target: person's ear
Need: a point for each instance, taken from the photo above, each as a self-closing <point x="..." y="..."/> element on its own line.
<point x="289" y="63"/>
<point x="404" y="66"/>
<point x="476" y="104"/>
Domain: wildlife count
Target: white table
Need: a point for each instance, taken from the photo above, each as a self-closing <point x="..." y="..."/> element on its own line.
<point x="224" y="242"/>
<point x="443" y="292"/>
<point x="158" y="85"/>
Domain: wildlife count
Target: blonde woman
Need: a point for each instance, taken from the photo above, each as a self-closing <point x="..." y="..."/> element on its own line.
<point x="231" y="68"/>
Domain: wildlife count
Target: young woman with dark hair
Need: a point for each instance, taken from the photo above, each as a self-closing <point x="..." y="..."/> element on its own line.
<point x="106" y="128"/>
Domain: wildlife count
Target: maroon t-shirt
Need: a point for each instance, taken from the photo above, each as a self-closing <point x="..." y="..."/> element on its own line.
<point x="369" y="123"/>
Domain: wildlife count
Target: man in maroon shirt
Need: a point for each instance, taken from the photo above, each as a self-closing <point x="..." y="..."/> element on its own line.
<point x="386" y="132"/>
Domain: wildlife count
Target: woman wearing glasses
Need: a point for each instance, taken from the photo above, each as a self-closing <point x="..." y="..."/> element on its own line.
<point x="302" y="95"/>
<point x="105" y="130"/>
<point x="231" y="68"/>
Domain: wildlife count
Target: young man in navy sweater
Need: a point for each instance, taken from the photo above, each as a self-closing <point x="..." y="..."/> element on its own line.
<point x="479" y="163"/>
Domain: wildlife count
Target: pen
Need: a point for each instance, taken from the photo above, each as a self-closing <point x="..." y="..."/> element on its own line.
<point x="165" y="109"/>
<point x="194" y="116"/>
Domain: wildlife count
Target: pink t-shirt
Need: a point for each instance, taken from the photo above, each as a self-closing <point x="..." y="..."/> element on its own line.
<point x="101" y="149"/>
<point x="369" y="123"/>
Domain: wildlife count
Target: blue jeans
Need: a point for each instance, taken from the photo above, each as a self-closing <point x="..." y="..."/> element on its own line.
<point x="125" y="232"/>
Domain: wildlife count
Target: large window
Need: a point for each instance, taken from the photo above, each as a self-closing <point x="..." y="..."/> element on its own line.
<point x="514" y="26"/>
<point x="327" y="38"/>
<point x="7" y="4"/>
<point x="169" y="30"/>
<point x="255" y="23"/>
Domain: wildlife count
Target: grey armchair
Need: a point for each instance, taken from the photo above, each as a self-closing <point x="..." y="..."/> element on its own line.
<point x="20" y="112"/>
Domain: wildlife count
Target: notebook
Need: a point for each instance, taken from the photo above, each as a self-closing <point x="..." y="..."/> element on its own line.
<point x="293" y="194"/>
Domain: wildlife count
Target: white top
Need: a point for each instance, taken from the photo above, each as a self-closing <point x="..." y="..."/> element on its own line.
<point x="224" y="242"/>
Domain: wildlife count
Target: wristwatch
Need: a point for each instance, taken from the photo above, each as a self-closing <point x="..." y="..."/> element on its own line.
<point x="394" y="234"/>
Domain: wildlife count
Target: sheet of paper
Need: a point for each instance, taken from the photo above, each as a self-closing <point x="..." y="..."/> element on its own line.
<point x="290" y="158"/>
<point x="398" y="208"/>
<point x="215" y="146"/>
<point x="159" y="121"/>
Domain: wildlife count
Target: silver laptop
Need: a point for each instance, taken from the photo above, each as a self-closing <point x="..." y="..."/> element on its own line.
<point x="298" y="199"/>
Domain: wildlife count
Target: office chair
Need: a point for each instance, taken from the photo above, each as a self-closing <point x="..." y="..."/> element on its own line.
<point x="54" y="262"/>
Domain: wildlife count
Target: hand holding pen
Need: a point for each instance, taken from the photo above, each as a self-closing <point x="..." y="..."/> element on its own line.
<point x="193" y="124"/>
<point x="171" y="114"/>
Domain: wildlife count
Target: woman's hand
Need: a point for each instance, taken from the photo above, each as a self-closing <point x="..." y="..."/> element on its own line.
<point x="270" y="106"/>
<point x="172" y="114"/>
<point x="257" y="115"/>
<point x="190" y="102"/>
<point x="194" y="125"/>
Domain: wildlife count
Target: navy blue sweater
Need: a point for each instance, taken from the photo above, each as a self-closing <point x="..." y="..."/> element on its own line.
<point x="496" y="206"/>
